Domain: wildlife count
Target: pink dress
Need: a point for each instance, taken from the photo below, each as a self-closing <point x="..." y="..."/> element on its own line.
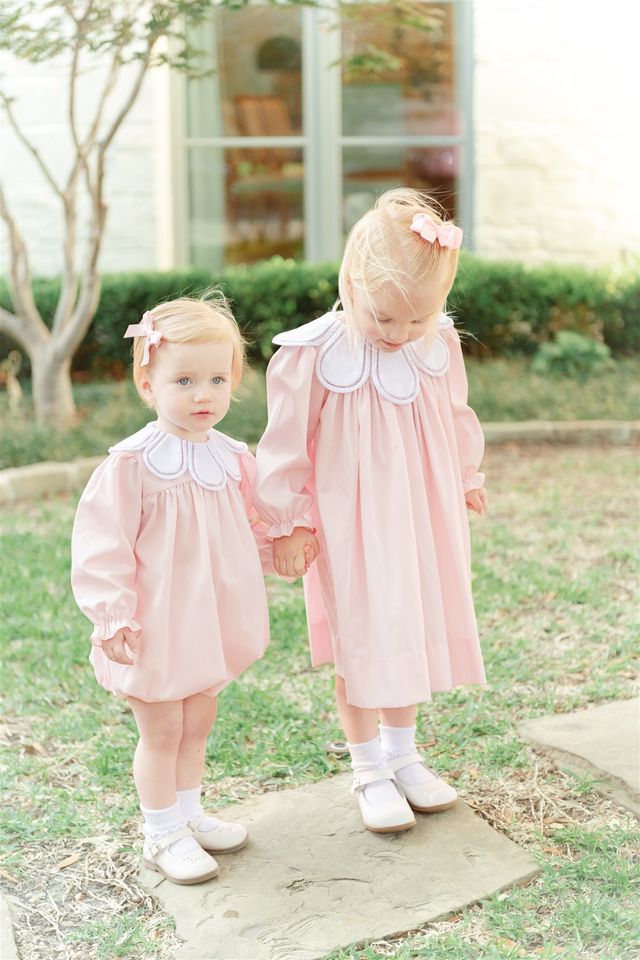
<point x="163" y="543"/>
<point x="376" y="449"/>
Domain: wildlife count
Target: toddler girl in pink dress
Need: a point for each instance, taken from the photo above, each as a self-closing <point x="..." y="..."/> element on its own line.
<point x="166" y="563"/>
<point x="371" y="445"/>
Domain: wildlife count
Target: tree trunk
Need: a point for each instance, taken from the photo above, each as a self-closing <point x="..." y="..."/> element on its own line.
<point x="51" y="387"/>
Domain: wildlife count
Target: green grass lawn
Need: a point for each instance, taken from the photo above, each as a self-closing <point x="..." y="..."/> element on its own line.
<point x="555" y="579"/>
<point x="499" y="390"/>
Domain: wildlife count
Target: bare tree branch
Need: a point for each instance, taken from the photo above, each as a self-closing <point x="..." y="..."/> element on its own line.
<point x="73" y="77"/>
<point x="130" y="100"/>
<point x="71" y="337"/>
<point x="6" y="102"/>
<point x="90" y="139"/>
<point x="73" y="334"/>
<point x="69" y="285"/>
<point x="20" y="285"/>
<point x="79" y="322"/>
<point x="10" y="324"/>
<point x="69" y="288"/>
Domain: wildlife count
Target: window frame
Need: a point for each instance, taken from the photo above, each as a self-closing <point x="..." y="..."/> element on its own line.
<point x="322" y="141"/>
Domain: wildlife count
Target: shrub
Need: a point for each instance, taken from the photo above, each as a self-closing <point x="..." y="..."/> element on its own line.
<point x="573" y="355"/>
<point x="511" y="309"/>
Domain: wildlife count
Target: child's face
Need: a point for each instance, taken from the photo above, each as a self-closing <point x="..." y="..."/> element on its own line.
<point x="400" y="318"/>
<point x="189" y="384"/>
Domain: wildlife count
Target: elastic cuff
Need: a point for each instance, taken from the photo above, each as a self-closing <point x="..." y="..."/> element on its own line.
<point x="286" y="527"/>
<point x="474" y="482"/>
<point x="108" y="628"/>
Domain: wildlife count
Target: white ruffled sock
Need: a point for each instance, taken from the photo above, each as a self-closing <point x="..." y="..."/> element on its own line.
<point x="368" y="756"/>
<point x="191" y="808"/>
<point x="158" y="823"/>
<point x="397" y="741"/>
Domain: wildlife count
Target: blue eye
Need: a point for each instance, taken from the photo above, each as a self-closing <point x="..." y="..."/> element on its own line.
<point x="183" y="381"/>
<point x="217" y="380"/>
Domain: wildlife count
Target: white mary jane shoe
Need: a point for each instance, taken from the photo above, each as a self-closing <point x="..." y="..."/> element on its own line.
<point x="389" y="817"/>
<point x="430" y="797"/>
<point x="193" y="867"/>
<point x="225" y="837"/>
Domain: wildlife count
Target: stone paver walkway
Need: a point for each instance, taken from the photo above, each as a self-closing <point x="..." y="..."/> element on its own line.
<point x="312" y="879"/>
<point x="602" y="743"/>
<point x="8" y="949"/>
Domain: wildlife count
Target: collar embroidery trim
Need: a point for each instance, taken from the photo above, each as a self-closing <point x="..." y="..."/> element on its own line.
<point x="210" y="463"/>
<point x="341" y="369"/>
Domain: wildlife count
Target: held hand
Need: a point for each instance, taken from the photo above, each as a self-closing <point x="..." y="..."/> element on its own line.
<point x="477" y="500"/>
<point x="309" y="556"/>
<point x="293" y="555"/>
<point x="114" y="649"/>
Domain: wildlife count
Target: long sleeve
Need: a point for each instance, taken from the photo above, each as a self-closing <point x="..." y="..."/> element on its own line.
<point x="469" y="435"/>
<point x="258" y="527"/>
<point x="103" y="564"/>
<point x="295" y="397"/>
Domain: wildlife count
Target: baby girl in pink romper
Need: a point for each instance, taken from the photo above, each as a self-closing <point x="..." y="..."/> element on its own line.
<point x="166" y="553"/>
<point x="371" y="445"/>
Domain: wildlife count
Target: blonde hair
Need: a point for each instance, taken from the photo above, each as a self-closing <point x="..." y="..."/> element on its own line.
<point x="207" y="319"/>
<point x="382" y="249"/>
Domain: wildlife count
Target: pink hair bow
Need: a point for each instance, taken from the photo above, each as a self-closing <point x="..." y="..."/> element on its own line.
<point x="146" y="330"/>
<point x="447" y="234"/>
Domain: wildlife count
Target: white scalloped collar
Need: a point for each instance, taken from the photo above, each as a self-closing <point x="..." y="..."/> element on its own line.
<point x="210" y="463"/>
<point x="343" y="369"/>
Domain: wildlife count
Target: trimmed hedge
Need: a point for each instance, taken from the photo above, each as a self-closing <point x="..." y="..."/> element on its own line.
<point x="512" y="309"/>
<point x="506" y="308"/>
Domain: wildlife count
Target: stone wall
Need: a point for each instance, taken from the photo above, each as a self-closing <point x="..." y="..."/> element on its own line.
<point x="557" y="138"/>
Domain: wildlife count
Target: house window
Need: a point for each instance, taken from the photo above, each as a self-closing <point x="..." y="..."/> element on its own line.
<point x="243" y="164"/>
<point x="304" y="121"/>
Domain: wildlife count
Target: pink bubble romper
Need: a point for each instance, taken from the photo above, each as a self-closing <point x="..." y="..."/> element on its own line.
<point x="376" y="450"/>
<point x="163" y="543"/>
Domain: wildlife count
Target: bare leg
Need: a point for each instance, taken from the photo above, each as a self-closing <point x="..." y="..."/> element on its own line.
<point x="358" y="723"/>
<point x="154" y="762"/>
<point x="154" y="770"/>
<point x="212" y="834"/>
<point x="199" y="714"/>
<point x="398" y="716"/>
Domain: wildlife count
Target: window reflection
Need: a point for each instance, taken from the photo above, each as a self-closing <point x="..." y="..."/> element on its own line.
<point x="262" y="213"/>
<point x="398" y="71"/>
<point x="399" y="81"/>
<point x="368" y="171"/>
<point x="264" y="189"/>
<point x="255" y="54"/>
<point x="246" y="203"/>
